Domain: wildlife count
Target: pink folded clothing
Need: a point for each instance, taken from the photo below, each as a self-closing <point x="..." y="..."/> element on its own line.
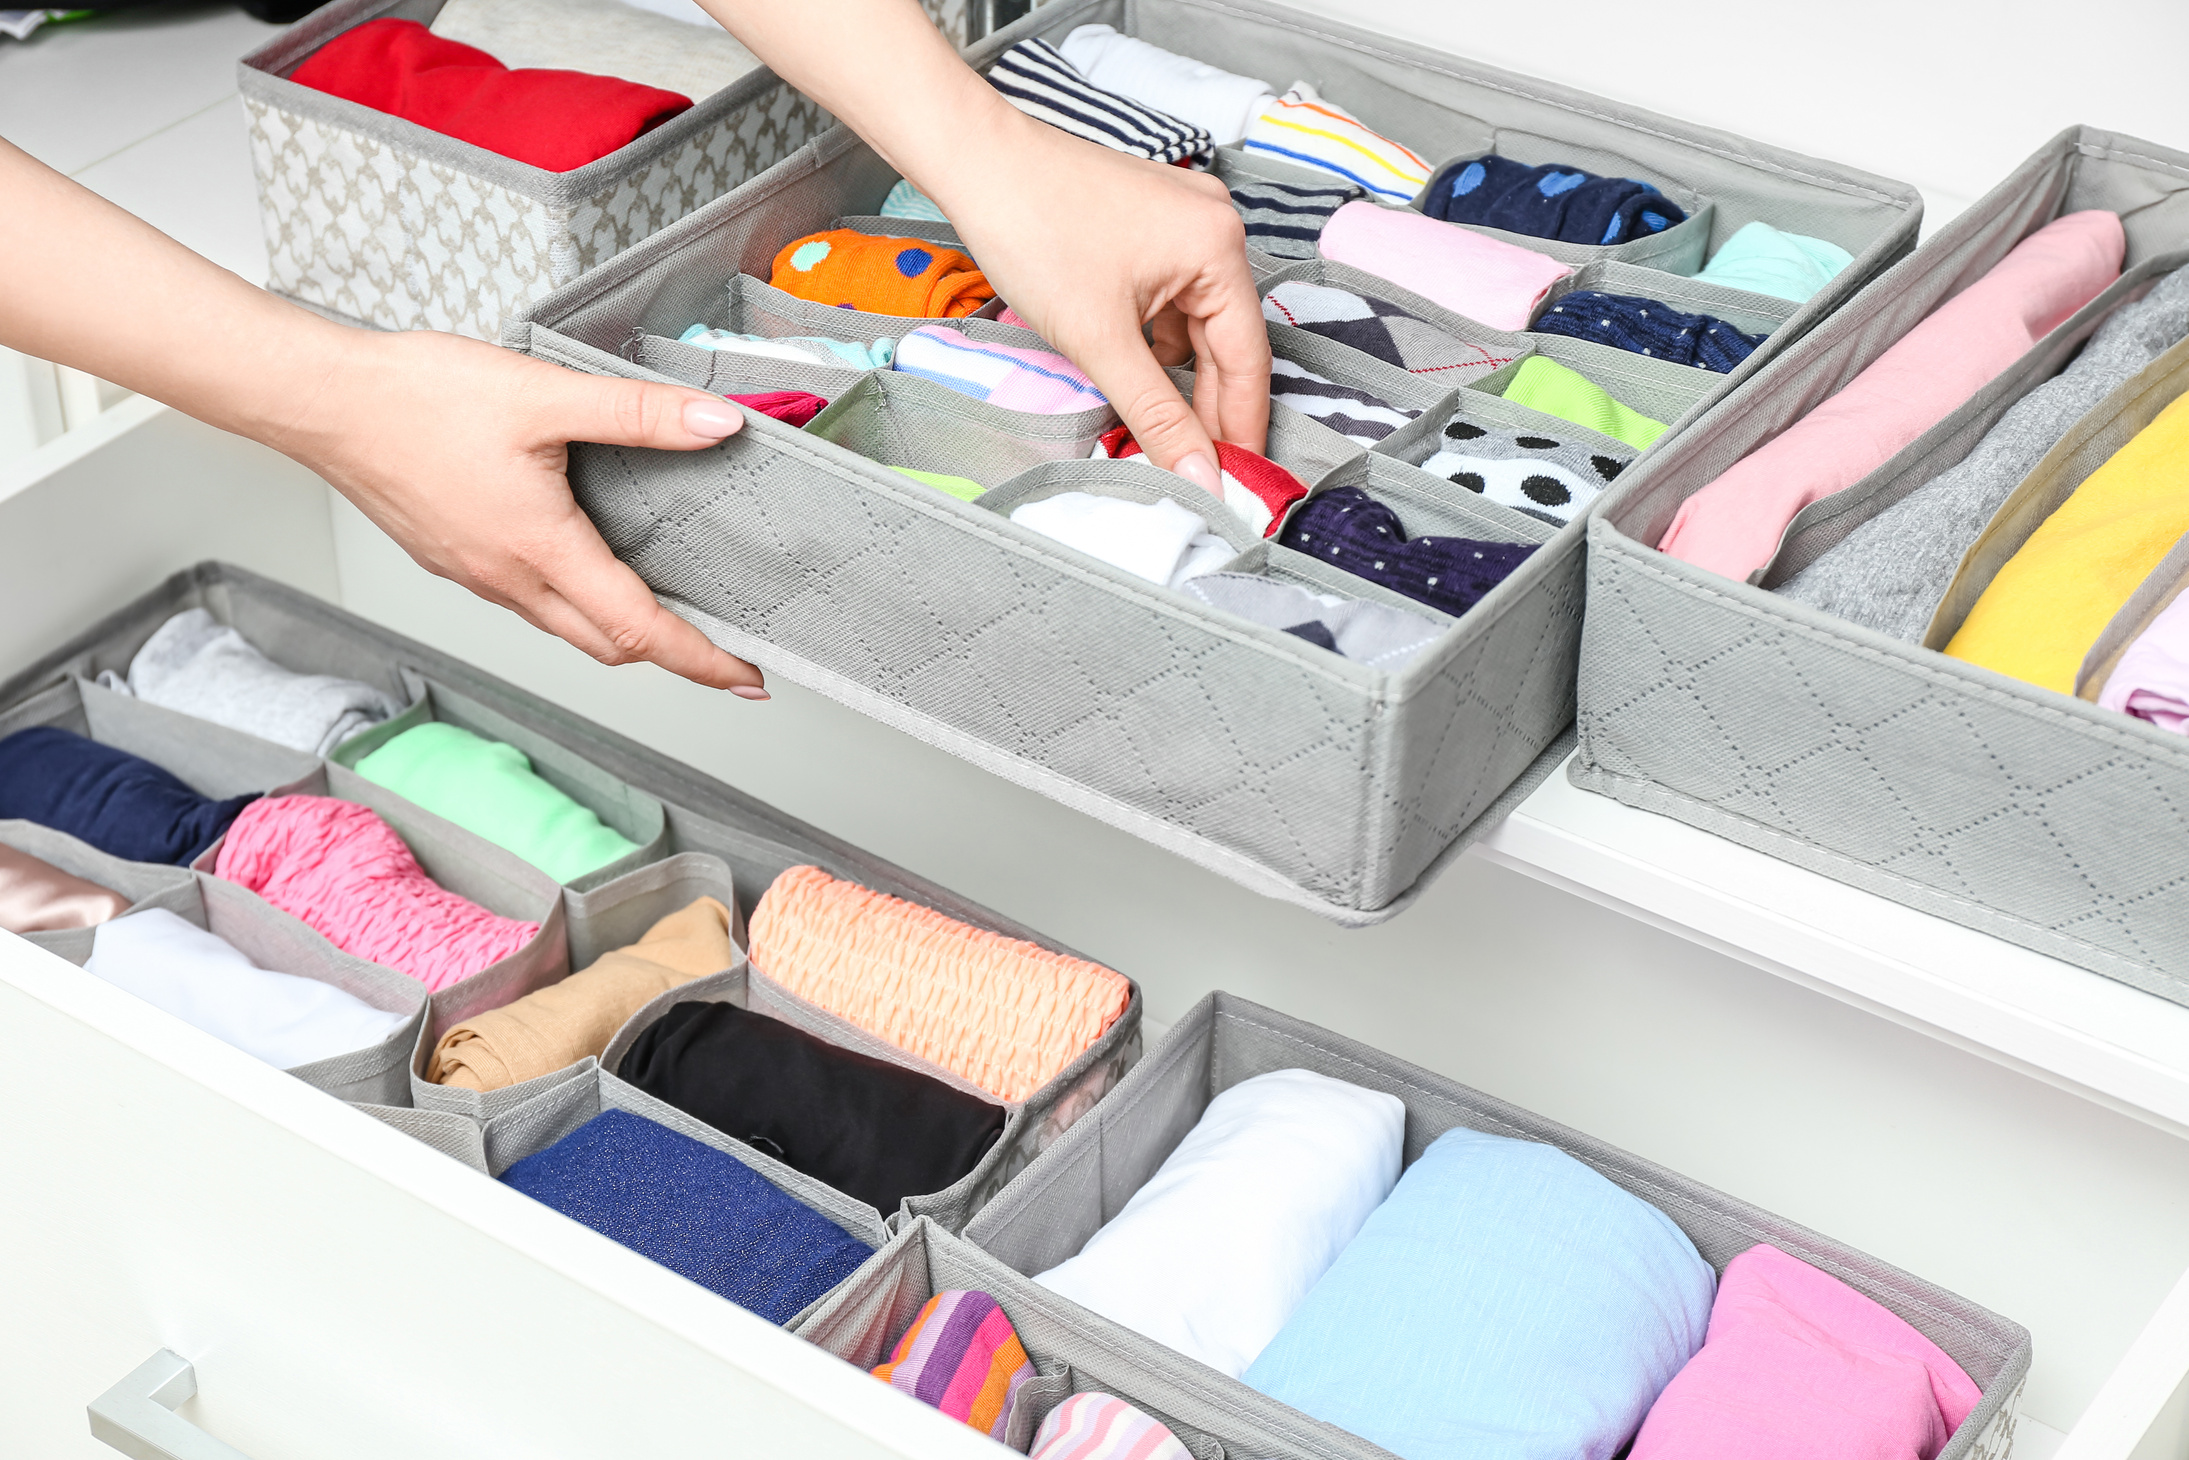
<point x="1499" y="284"/>
<point x="791" y="407"/>
<point x="343" y="870"/>
<point x="2151" y="681"/>
<point x="1733" y="526"/>
<point x="1040" y="382"/>
<point x="1798" y="1366"/>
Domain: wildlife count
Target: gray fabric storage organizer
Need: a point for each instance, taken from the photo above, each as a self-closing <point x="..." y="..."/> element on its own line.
<point x="1086" y="1178"/>
<point x="1969" y="795"/>
<point x="1306" y="777"/>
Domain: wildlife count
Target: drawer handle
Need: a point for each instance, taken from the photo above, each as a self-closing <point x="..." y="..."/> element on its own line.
<point x="137" y="1415"/>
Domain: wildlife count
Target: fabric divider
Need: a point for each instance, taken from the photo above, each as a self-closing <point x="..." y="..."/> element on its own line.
<point x="874" y="225"/>
<point x="1753" y="314"/>
<point x="1664" y="392"/>
<point x="1281" y="564"/>
<point x="1680" y="249"/>
<point x="456" y="1136"/>
<point x="1484" y="405"/>
<point x="898" y="420"/>
<point x="145" y="884"/>
<point x="1433" y="396"/>
<point x="212" y="760"/>
<point x="1431" y="506"/>
<point x="1299" y="443"/>
<point x="1130" y="480"/>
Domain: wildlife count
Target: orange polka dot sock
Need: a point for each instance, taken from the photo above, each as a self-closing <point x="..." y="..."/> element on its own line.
<point x="907" y="276"/>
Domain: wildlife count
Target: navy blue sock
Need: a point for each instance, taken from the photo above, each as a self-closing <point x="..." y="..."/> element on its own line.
<point x="1349" y="529"/>
<point x="124" y="805"/>
<point x="1647" y="327"/>
<point x="1562" y="203"/>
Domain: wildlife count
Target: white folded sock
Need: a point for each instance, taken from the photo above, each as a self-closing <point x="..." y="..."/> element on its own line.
<point x="1190" y="90"/>
<point x="1160" y="541"/>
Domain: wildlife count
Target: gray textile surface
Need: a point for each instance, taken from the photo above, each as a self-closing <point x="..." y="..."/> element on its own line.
<point x="603" y="37"/>
<point x="145" y="884"/>
<point x="207" y="669"/>
<point x="1366" y="633"/>
<point x="1890" y="573"/>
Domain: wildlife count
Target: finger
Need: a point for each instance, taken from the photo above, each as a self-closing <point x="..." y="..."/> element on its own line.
<point x="619" y="412"/>
<point x="1123" y="369"/>
<point x="600" y="605"/>
<point x="1231" y="350"/>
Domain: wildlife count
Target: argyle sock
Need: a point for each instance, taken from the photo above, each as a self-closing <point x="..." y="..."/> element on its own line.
<point x="1383" y="330"/>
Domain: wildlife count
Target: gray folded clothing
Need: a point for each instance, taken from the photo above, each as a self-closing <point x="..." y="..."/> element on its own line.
<point x="1890" y="573"/>
<point x="201" y="667"/>
<point x="1368" y="633"/>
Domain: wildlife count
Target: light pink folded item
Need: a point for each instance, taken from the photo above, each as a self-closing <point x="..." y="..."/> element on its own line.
<point x="343" y="870"/>
<point x="1799" y="1366"/>
<point x="1733" y="526"/>
<point x="1498" y="284"/>
<point x="2151" y="679"/>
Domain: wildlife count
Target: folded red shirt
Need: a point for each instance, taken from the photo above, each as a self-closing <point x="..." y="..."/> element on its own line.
<point x="552" y="119"/>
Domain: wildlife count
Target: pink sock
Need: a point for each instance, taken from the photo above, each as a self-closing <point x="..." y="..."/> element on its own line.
<point x="1499" y="284"/>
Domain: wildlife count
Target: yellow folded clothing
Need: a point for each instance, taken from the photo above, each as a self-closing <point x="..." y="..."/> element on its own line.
<point x="2055" y="596"/>
<point x="557" y="1026"/>
<point x="1005" y="1014"/>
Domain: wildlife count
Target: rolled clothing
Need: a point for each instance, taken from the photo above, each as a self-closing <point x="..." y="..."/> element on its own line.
<point x="1302" y="128"/>
<point x="555" y="120"/>
<point x="1284" y="221"/>
<point x="1507" y="1303"/>
<point x="1497" y="283"/>
<point x="1552" y="200"/>
<point x="1766" y="260"/>
<point x="122" y="804"/>
<point x="1212" y="1255"/>
<point x="344" y="871"/>
<point x="907" y="201"/>
<point x="1647" y="327"/>
<point x="798" y="349"/>
<point x="791" y="407"/>
<point x="1254" y="487"/>
<point x="1356" y="414"/>
<point x="1550" y="477"/>
<point x="1034" y="77"/>
<point x="965" y="489"/>
<point x="876" y="1131"/>
<point x="1373" y="634"/>
<point x="1733" y="525"/>
<point x="490" y="789"/>
<point x="199" y="666"/>
<point x="2151" y="678"/>
<point x="553" y="1028"/>
<point x="1198" y="94"/>
<point x="602" y="36"/>
<point x="1161" y="541"/>
<point x="1891" y="573"/>
<point x="38" y="897"/>
<point x="1382" y="329"/>
<point x="1012" y="377"/>
<point x="904" y="276"/>
<point x="285" y="1019"/>
<point x="1002" y="1014"/>
<point x="1349" y="529"/>
<point x="1104" y="1427"/>
<point x="2049" y="603"/>
<point x="962" y="1356"/>
<point x="1799" y="1366"/>
<point x="700" y="1213"/>
<point x="1544" y="385"/>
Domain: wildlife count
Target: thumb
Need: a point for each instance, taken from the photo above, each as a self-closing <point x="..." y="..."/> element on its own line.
<point x="617" y="412"/>
<point x="1124" y="369"/>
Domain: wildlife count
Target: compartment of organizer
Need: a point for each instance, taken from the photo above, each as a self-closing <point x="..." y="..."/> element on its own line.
<point x="1242" y="1293"/>
<point x="1678" y="247"/>
<point x="1442" y="345"/>
<point x="1375" y="405"/>
<point x="912" y="424"/>
<point x="55" y="890"/>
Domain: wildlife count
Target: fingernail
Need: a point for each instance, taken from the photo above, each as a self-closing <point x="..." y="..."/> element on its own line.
<point x="749" y="692"/>
<point x="1200" y="469"/>
<point x="711" y="418"/>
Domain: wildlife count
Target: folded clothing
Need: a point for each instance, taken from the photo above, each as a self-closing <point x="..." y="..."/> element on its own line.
<point x="1550" y="201"/>
<point x="1011" y="376"/>
<point x="1160" y="541"/>
<point x="1356" y="414"/>
<point x="791" y="407"/>
<point x="557" y="120"/>
<point x="1767" y="260"/>
<point x="1544" y="385"/>
<point x="1647" y="327"/>
<point x="1284" y="221"/>
<point x="2051" y="600"/>
<point x="1485" y="279"/>
<point x="38" y="897"/>
<point x="907" y="201"/>
<point x="965" y="489"/>
<point x="343" y="870"/>
<point x="1733" y="525"/>
<point x="1005" y="1015"/>
<point x="876" y="1131"/>
<point x="1891" y="572"/>
<point x="2151" y="678"/>
<point x="1507" y="1303"/>
<point x="199" y="666"/>
<point x="1374" y="634"/>
<point x="1382" y="329"/>
<point x="1301" y="127"/>
<point x="1196" y="93"/>
<point x="907" y="276"/>
<point x="1349" y="529"/>
<point x="608" y="38"/>
<point x="1103" y="1427"/>
<point x="553" y="1028"/>
<point x="962" y="1356"/>
<point x="1212" y="1255"/>
<point x="799" y="349"/>
<point x="696" y="1211"/>
<point x="1543" y="476"/>
<point x="1034" y="77"/>
<point x="490" y="789"/>
<point x="284" y="1019"/>
<point x="122" y="804"/>
<point x="1255" y="487"/>
<point x="1799" y="1366"/>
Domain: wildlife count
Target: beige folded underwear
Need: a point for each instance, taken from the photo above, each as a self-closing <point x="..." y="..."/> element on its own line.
<point x="37" y="897"/>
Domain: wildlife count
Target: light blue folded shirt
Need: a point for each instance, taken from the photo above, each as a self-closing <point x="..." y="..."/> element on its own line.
<point x="1767" y="260"/>
<point x="808" y="349"/>
<point x="907" y="201"/>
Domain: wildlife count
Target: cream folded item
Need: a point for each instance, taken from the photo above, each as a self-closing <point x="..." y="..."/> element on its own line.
<point x="38" y="897"/>
<point x="801" y="349"/>
<point x="1160" y="541"/>
<point x="285" y="1019"/>
<point x="1214" y="1253"/>
<point x="197" y="665"/>
<point x="1215" y="100"/>
<point x="602" y="38"/>
<point x="1496" y="283"/>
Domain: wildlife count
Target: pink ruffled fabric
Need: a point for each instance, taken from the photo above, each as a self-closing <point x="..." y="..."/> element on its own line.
<point x="343" y="870"/>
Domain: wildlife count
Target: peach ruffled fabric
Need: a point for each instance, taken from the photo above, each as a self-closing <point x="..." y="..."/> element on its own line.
<point x="1000" y="1012"/>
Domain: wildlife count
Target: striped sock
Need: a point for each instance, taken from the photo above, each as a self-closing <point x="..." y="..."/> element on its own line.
<point x="1016" y="379"/>
<point x="1300" y="127"/>
<point x="1284" y="222"/>
<point x="1345" y="409"/>
<point x="961" y="1356"/>
<point x="907" y="201"/>
<point x="1034" y="77"/>
<point x="1099" y="1427"/>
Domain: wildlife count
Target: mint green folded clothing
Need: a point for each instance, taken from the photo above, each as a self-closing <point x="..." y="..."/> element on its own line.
<point x="1766" y="260"/>
<point x="491" y="790"/>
